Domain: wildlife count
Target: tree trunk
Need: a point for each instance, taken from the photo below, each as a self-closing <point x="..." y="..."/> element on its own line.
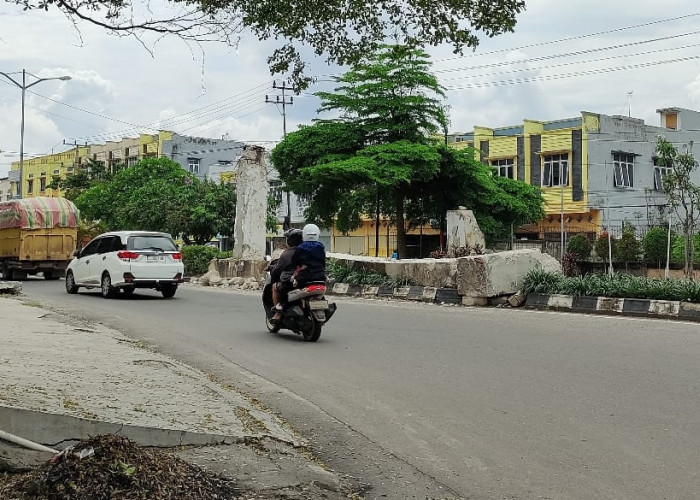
<point x="400" y="224"/>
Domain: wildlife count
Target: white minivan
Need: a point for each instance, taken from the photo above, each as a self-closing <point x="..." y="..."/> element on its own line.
<point x="127" y="260"/>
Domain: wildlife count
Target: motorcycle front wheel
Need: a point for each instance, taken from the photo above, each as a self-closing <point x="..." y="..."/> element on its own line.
<point x="272" y="328"/>
<point x="311" y="330"/>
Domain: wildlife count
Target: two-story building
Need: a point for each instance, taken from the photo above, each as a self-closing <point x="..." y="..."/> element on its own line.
<point x="38" y="172"/>
<point x="596" y="171"/>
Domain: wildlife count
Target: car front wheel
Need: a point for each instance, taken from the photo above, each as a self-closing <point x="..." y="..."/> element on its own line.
<point x="71" y="287"/>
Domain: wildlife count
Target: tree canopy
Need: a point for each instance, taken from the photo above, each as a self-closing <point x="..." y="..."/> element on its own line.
<point x="159" y="195"/>
<point x="683" y="194"/>
<point x="343" y="31"/>
<point x="381" y="154"/>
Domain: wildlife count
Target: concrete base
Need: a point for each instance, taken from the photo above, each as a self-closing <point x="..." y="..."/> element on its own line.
<point x="230" y="268"/>
<point x="475" y="301"/>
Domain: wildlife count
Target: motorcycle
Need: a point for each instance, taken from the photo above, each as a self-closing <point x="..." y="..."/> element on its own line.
<point x="306" y="312"/>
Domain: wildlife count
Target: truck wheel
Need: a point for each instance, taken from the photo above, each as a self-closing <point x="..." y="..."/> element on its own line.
<point x="108" y="290"/>
<point x="6" y="272"/>
<point x="51" y="275"/>
<point x="71" y="287"/>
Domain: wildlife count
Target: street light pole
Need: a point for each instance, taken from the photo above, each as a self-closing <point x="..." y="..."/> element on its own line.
<point x="23" y="86"/>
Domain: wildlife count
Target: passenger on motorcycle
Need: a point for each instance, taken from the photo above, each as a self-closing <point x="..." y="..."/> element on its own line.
<point x="281" y="273"/>
<point x="308" y="262"/>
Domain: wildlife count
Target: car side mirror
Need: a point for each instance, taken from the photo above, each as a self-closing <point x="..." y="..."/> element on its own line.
<point x="76" y="253"/>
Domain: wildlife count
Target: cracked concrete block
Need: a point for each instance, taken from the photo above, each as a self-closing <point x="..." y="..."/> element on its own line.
<point x="499" y="273"/>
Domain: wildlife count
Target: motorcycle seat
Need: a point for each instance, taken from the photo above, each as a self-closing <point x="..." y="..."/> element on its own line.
<point x="310" y="290"/>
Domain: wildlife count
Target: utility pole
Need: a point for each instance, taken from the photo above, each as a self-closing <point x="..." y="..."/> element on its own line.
<point x="77" y="151"/>
<point x="284" y="102"/>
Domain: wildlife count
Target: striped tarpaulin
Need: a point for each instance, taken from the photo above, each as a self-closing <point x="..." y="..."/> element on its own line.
<point x="38" y="213"/>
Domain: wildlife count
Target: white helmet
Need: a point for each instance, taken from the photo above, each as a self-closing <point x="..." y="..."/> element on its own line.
<point x="311" y="232"/>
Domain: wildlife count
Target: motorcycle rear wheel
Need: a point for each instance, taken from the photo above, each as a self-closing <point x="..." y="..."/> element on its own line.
<point x="311" y="331"/>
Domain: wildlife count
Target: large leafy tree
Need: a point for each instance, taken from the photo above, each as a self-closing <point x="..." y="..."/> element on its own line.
<point x="379" y="154"/>
<point x="342" y="30"/>
<point x="158" y="195"/>
<point x="683" y="194"/>
<point x="85" y="176"/>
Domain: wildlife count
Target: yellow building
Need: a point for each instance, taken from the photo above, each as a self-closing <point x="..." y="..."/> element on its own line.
<point x="38" y="172"/>
<point x="552" y="155"/>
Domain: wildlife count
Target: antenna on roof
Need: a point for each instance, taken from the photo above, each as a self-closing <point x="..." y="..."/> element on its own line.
<point x="629" y="103"/>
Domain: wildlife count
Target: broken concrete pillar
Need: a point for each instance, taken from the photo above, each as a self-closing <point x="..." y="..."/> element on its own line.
<point x="463" y="230"/>
<point x="251" y="205"/>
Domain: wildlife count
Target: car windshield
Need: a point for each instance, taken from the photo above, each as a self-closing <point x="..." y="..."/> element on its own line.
<point x="154" y="242"/>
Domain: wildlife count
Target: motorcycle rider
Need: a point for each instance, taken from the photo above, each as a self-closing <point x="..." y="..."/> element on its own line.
<point x="281" y="274"/>
<point x="308" y="262"/>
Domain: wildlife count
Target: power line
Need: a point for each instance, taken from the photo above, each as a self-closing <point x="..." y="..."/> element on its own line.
<point x="572" y="38"/>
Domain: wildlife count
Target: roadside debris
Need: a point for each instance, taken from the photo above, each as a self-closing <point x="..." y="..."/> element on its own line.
<point x="111" y="466"/>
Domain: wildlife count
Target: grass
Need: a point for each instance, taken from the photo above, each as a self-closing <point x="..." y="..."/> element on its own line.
<point x="616" y="285"/>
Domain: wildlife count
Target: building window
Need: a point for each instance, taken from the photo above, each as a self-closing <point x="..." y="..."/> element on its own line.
<point x="42" y="184"/>
<point x="30" y="186"/>
<point x="556" y="170"/>
<point x="623" y="170"/>
<point x="659" y="173"/>
<point x="504" y="167"/>
<point x="276" y="191"/>
<point x="302" y="203"/>
<point x="194" y="165"/>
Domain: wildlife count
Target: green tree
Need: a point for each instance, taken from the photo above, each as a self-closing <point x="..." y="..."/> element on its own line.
<point x="603" y="249"/>
<point x="654" y="245"/>
<point x="628" y="248"/>
<point x="159" y="195"/>
<point x="379" y="155"/>
<point x="683" y="195"/>
<point x="343" y="31"/>
<point x="579" y="246"/>
<point x="85" y="176"/>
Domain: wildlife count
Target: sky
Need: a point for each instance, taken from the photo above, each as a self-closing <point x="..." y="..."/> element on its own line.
<point x="564" y="57"/>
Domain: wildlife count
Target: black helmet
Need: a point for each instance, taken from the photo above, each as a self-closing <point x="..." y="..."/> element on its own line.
<point x="294" y="237"/>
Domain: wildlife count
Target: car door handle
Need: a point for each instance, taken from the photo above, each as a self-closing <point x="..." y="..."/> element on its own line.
<point x="104" y="257"/>
<point x="87" y="261"/>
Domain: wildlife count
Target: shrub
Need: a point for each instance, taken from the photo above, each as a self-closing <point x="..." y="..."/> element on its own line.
<point x="569" y="264"/>
<point x="678" y="247"/>
<point x="601" y="246"/>
<point x="628" y="248"/>
<point x="196" y="258"/>
<point x="580" y="247"/>
<point x="616" y="285"/>
<point x="654" y="246"/>
<point x="342" y="273"/>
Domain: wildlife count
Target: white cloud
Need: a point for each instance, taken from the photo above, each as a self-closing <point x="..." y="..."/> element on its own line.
<point x="221" y="91"/>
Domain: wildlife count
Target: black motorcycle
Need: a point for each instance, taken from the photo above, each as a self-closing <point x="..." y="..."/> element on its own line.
<point x="306" y="312"/>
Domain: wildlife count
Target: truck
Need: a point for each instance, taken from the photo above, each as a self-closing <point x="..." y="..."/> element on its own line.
<point x="37" y="234"/>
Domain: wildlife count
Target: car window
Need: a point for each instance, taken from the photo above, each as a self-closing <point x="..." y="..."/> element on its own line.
<point x="105" y="245"/>
<point x="151" y="242"/>
<point x="91" y="247"/>
<point x="117" y="244"/>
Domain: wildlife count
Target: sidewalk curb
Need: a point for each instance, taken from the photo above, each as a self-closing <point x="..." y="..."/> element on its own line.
<point x="411" y="293"/>
<point x="615" y="306"/>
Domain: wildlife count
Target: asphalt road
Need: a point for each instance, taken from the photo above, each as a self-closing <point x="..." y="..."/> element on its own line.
<point x="422" y="400"/>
